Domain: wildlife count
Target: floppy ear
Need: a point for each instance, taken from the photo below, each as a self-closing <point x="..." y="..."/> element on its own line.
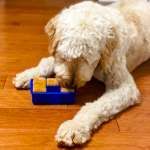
<point x="111" y="44"/>
<point x="105" y="49"/>
<point x="50" y="30"/>
<point x="50" y="27"/>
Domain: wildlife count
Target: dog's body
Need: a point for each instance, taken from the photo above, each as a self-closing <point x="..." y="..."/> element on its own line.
<point x="139" y="21"/>
<point x="106" y="42"/>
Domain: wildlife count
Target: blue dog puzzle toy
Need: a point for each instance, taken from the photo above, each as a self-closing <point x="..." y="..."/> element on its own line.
<point x="47" y="91"/>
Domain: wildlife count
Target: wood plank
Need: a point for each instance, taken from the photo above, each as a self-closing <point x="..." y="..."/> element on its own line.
<point x="134" y="120"/>
<point x="41" y="139"/>
<point x="26" y="139"/>
<point x="26" y="128"/>
<point x="142" y="75"/>
<point x="41" y="3"/>
<point x="41" y="118"/>
<point x="120" y="141"/>
<point x="2" y="81"/>
<point x="24" y="118"/>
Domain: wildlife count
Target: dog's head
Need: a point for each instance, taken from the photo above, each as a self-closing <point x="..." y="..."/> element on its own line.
<point x="77" y="41"/>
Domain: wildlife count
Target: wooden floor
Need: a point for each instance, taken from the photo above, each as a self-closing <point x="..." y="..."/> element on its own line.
<point x="25" y="126"/>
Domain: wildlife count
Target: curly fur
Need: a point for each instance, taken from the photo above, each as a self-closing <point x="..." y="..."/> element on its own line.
<point x="106" y="42"/>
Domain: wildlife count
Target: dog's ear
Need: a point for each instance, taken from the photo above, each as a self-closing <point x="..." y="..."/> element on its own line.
<point x="50" y="30"/>
<point x="111" y="44"/>
<point x="51" y="27"/>
<point x="106" y="48"/>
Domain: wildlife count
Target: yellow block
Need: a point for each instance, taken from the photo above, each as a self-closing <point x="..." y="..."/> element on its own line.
<point x="39" y="84"/>
<point x="52" y="82"/>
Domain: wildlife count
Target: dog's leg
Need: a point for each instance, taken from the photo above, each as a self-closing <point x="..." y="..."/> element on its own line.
<point x="121" y="92"/>
<point x="44" y="68"/>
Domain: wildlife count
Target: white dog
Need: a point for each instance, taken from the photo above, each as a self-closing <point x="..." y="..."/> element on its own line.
<point x="106" y="42"/>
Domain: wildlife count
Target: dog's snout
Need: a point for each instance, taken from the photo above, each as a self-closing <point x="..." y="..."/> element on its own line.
<point x="64" y="82"/>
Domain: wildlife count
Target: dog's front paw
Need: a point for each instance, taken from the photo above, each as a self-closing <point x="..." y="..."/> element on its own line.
<point x="72" y="133"/>
<point x="22" y="80"/>
<point x="46" y="66"/>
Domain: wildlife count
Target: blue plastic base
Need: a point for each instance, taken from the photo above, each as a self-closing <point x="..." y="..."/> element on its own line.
<point x="51" y="96"/>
